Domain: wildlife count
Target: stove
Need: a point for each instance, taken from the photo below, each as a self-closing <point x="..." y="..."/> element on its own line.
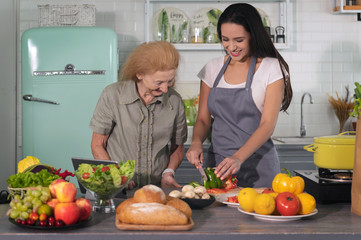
<point x="327" y="186"/>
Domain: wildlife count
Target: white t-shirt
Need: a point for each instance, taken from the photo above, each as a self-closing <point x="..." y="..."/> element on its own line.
<point x="268" y="72"/>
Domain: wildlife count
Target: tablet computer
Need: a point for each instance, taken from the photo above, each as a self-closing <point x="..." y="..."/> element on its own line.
<point x="77" y="161"/>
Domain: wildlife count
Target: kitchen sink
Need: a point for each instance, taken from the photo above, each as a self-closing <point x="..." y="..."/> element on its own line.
<point x="296" y="140"/>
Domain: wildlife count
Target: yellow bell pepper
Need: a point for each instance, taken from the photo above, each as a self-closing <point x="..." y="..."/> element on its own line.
<point x="27" y="162"/>
<point x="284" y="182"/>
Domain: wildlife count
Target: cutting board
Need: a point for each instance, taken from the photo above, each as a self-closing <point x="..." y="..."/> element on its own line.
<point x="126" y="226"/>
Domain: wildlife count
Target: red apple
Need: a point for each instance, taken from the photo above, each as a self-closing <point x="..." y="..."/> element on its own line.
<point x="85" y="208"/>
<point x="52" y="186"/>
<point x="65" y="192"/>
<point x="52" y="202"/>
<point x="69" y="212"/>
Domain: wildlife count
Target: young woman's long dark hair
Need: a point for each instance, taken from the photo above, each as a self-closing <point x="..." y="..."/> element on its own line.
<point x="261" y="45"/>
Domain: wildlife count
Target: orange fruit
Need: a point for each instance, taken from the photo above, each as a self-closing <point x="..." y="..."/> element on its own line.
<point x="246" y="199"/>
<point x="264" y="204"/>
<point x="307" y="203"/>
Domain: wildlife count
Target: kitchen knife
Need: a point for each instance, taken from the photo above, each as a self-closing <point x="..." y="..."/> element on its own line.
<point x="201" y="170"/>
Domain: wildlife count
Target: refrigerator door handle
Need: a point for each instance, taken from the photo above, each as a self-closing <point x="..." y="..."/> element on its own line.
<point x="30" y="98"/>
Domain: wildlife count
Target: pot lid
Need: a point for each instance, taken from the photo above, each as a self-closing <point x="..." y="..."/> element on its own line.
<point x="336" y="139"/>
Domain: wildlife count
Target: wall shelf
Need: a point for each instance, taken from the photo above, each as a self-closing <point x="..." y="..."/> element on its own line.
<point x="340" y="7"/>
<point x="151" y="6"/>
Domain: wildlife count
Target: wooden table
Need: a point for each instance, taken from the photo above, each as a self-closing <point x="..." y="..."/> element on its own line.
<point x="333" y="221"/>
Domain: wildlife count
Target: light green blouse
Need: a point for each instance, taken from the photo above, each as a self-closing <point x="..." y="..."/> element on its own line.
<point x="140" y="132"/>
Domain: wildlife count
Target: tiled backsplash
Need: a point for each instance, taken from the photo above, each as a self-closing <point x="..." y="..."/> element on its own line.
<point x="324" y="57"/>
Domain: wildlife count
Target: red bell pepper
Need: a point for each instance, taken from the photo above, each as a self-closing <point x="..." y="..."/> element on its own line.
<point x="230" y="182"/>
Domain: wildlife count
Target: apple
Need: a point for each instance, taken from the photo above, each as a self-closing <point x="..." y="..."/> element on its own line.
<point x="34" y="216"/>
<point x="52" y="202"/>
<point x="68" y="212"/>
<point x="52" y="186"/>
<point x="65" y="192"/>
<point x="85" y="208"/>
<point x="287" y="204"/>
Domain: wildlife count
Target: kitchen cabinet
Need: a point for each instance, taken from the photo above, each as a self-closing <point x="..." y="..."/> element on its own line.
<point x="278" y="13"/>
<point x="292" y="156"/>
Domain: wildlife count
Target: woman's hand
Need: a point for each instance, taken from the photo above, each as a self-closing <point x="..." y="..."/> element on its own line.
<point x="168" y="181"/>
<point x="195" y="154"/>
<point x="229" y="166"/>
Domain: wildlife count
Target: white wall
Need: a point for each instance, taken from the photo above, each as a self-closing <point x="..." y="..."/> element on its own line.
<point x="324" y="56"/>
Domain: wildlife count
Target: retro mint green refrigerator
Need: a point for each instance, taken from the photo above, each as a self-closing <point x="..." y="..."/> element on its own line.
<point x="63" y="71"/>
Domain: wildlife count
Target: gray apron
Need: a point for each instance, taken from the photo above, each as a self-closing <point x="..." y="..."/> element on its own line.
<point x="236" y="117"/>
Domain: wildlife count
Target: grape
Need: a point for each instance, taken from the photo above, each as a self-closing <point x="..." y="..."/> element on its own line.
<point x="28" y="198"/>
<point x="24" y="215"/>
<point x="45" y="191"/>
<point x="14" y="214"/>
<point x="12" y="204"/>
<point x="44" y="198"/>
<point x="29" y="192"/>
<point x="18" y="205"/>
<point x="28" y="204"/>
<point x="23" y="208"/>
<point x="36" y="193"/>
<point x="38" y="203"/>
<point x="17" y="197"/>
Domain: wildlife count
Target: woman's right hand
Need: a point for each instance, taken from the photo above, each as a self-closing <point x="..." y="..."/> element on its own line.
<point x="195" y="154"/>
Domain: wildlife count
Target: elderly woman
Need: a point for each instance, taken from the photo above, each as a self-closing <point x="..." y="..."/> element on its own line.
<point x="137" y="117"/>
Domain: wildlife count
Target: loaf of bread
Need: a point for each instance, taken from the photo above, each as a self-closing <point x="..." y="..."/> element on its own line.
<point x="149" y="194"/>
<point x="151" y="213"/>
<point x="124" y="204"/>
<point x="180" y="205"/>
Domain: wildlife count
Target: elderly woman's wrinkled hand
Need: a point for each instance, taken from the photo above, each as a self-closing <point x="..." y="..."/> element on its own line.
<point x="168" y="181"/>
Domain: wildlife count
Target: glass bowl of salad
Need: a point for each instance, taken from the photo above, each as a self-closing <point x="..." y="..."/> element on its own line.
<point x="104" y="182"/>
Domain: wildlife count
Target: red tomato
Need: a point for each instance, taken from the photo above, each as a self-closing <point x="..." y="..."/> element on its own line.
<point x="268" y="190"/>
<point x="287" y="204"/>
<point x="124" y="180"/>
<point x="85" y="175"/>
<point x="94" y="169"/>
<point x="104" y="169"/>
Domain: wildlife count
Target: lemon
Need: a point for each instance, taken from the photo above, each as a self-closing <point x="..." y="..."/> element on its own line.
<point x="246" y="199"/>
<point x="264" y="204"/>
<point x="27" y="162"/>
<point x="307" y="203"/>
<point x="45" y="209"/>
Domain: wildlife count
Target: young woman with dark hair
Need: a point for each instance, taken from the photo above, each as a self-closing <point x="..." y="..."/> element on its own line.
<point x="243" y="92"/>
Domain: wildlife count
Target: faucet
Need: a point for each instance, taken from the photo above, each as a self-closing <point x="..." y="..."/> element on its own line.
<point x="303" y="127"/>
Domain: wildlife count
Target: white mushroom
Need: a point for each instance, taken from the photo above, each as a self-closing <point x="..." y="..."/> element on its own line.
<point x="175" y="194"/>
<point x="189" y="194"/>
<point x="200" y="190"/>
<point x="187" y="188"/>
<point x="206" y="196"/>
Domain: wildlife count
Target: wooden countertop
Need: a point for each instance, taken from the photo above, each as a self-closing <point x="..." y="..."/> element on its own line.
<point x="333" y="221"/>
